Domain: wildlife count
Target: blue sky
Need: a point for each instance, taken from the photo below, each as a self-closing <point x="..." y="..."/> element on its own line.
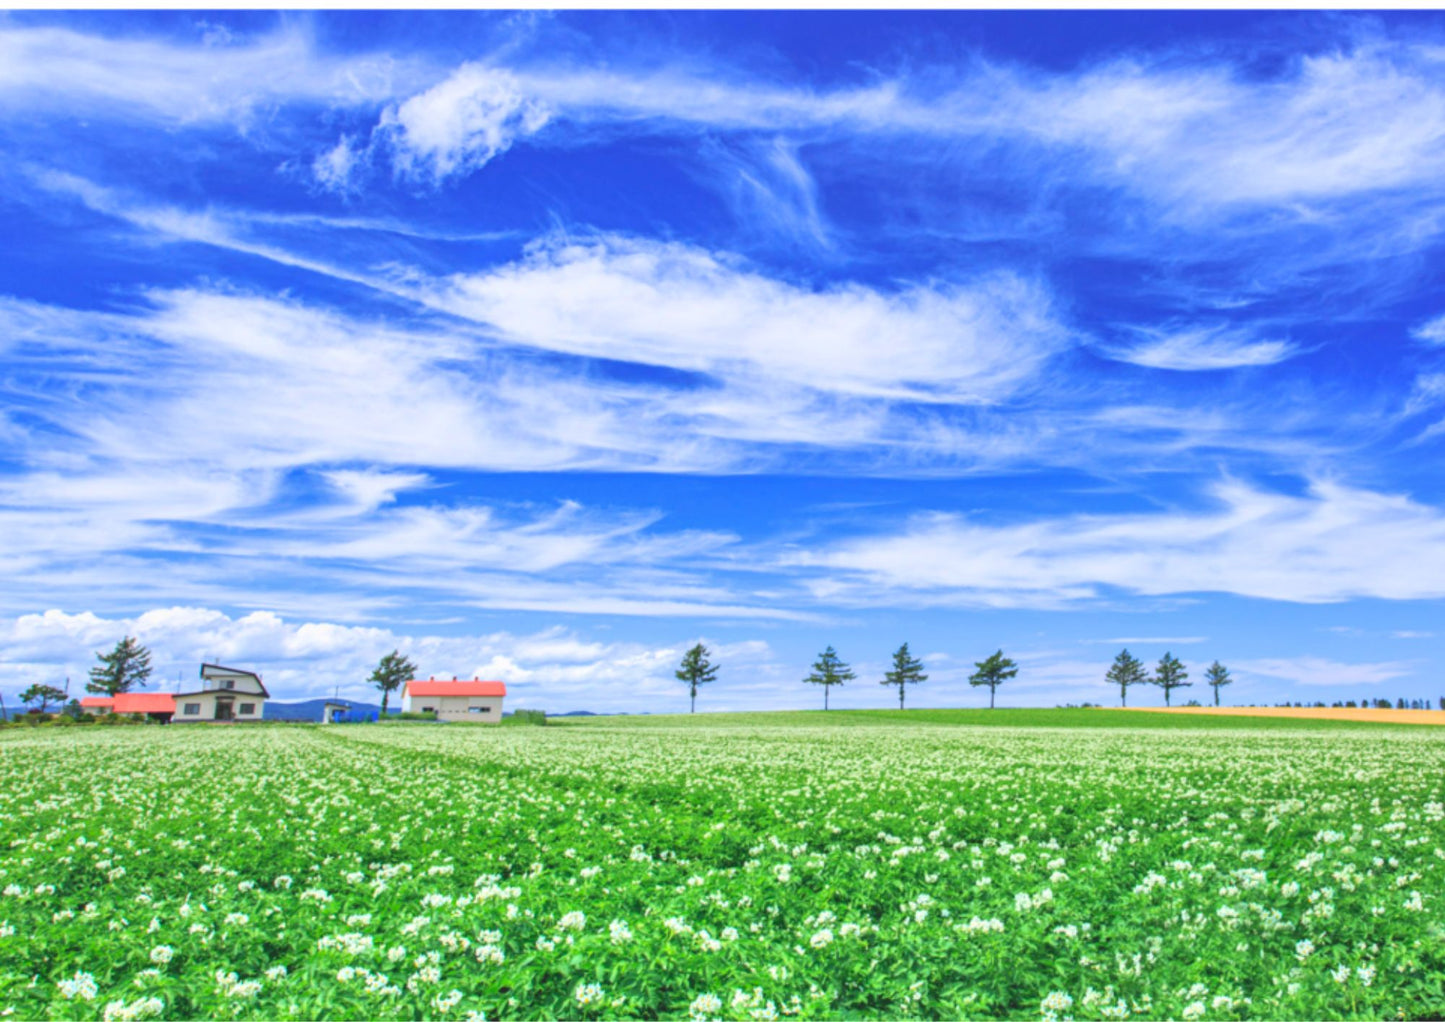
<point x="543" y="346"/>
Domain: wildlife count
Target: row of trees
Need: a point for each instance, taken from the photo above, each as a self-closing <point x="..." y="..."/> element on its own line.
<point x="829" y="670"/>
<point x="1168" y="675"/>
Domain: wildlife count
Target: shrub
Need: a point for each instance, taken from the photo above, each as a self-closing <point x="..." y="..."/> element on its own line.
<point x="536" y="718"/>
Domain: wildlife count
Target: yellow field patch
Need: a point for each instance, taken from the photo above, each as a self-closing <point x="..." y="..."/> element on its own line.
<point x="1308" y="712"/>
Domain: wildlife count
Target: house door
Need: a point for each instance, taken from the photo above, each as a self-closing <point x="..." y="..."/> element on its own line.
<point x="225" y="709"/>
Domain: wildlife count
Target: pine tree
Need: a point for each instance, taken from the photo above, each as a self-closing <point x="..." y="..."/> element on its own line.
<point x="1217" y="676"/>
<point x="696" y="670"/>
<point x="993" y="672"/>
<point x="42" y="694"/>
<point x="829" y="671"/>
<point x="1126" y="671"/>
<point x="392" y="671"/>
<point x="1169" y="675"/>
<point x="122" y="669"/>
<point x="907" y="670"/>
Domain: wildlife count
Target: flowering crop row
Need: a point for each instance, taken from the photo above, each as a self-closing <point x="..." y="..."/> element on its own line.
<point x="603" y="871"/>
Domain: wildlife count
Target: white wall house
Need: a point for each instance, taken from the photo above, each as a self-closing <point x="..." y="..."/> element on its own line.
<point x="226" y="693"/>
<point x="475" y="700"/>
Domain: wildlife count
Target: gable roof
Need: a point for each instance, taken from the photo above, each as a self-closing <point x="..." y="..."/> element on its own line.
<point x="211" y="672"/>
<point x="433" y="687"/>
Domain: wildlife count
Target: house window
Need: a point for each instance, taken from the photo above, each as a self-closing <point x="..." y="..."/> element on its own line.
<point x="192" y="710"/>
<point x="428" y="709"/>
<point x="481" y="709"/>
<point x="247" y="708"/>
<point x="228" y="684"/>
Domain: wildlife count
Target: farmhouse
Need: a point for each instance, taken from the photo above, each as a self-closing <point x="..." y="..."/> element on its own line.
<point x="474" y="700"/>
<point x="226" y="693"/>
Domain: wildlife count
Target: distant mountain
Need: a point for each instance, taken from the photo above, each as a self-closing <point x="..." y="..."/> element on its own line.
<point x="310" y="709"/>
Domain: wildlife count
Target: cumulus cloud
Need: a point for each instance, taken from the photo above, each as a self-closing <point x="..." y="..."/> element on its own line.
<point x="1333" y="543"/>
<point x="1201" y="348"/>
<point x="553" y="669"/>
<point x="457" y="126"/>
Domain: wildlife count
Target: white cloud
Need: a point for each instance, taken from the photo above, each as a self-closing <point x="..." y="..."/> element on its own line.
<point x="1311" y="670"/>
<point x="337" y="169"/>
<point x="553" y="669"/>
<point x="1432" y="331"/>
<point x="49" y="68"/>
<point x="457" y="126"/>
<point x="1201" y="348"/>
<point x="1334" y="543"/>
<point x="1148" y="640"/>
<point x="673" y="305"/>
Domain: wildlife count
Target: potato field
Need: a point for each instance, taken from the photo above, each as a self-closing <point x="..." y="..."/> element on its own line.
<point x="803" y="866"/>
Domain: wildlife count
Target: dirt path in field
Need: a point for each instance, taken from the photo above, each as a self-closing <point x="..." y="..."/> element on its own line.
<point x="1308" y="712"/>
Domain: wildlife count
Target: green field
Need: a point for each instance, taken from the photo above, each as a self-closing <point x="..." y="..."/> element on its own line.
<point x="923" y="864"/>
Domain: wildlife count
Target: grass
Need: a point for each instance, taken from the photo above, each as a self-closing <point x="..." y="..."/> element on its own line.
<point x="1019" y="718"/>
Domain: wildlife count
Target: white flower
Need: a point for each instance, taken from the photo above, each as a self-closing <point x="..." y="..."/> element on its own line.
<point x="704" y="1006"/>
<point x="163" y="953"/>
<point x="119" y="1011"/>
<point x="823" y="938"/>
<point x="81" y="985"/>
<point x="572" y="921"/>
<point x="588" y="994"/>
<point x="619" y="932"/>
<point x="1303" y="949"/>
<point x="1056" y="1002"/>
<point x="1341" y="974"/>
<point x="1193" y="1010"/>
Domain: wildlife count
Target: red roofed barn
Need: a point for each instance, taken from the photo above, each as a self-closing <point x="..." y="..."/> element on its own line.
<point x="479" y="701"/>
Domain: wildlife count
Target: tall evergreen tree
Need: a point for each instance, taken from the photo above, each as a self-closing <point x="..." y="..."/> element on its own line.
<point x="122" y="669"/>
<point x="1126" y="671"/>
<point x="1169" y="675"/>
<point x="829" y="671"/>
<point x="696" y="670"/>
<point x="907" y="670"/>
<point x="391" y="672"/>
<point x="993" y="672"/>
<point x="1218" y="677"/>
<point x="42" y="694"/>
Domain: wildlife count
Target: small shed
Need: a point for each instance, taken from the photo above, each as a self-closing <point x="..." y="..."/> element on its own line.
<point x="476" y="700"/>
<point x="331" y="708"/>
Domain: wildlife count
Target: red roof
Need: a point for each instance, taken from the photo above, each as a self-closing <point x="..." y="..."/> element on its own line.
<point x="98" y="701"/>
<point x="432" y="687"/>
<point x="145" y="702"/>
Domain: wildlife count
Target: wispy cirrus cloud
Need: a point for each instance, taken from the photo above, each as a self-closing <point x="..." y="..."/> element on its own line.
<point x="1311" y="670"/>
<point x="683" y="307"/>
<point x="208" y="81"/>
<point x="1332" y="544"/>
<point x="1200" y="348"/>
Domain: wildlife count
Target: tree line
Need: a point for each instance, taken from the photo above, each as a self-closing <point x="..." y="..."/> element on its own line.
<point x="830" y="671"/>
<point x="1169" y="674"/>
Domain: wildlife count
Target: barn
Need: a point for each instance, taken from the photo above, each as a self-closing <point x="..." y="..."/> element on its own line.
<point x="476" y="700"/>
